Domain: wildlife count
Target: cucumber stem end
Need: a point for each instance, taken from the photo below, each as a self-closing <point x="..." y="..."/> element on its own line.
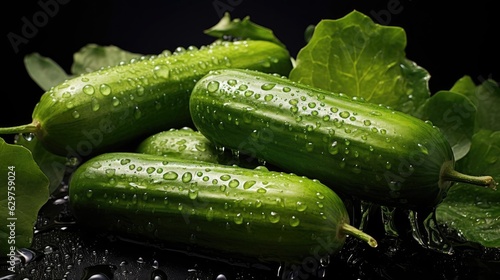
<point x="455" y="176"/>
<point x="25" y="128"/>
<point x="350" y="230"/>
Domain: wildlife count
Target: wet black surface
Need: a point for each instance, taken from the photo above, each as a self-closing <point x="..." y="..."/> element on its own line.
<point x="64" y="250"/>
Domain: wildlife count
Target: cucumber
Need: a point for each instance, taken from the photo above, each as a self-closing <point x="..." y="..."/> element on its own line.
<point x="183" y="143"/>
<point x="359" y="149"/>
<point x="204" y="207"/>
<point x="101" y="110"/>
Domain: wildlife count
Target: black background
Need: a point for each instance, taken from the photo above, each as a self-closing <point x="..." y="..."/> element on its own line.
<point x="448" y="40"/>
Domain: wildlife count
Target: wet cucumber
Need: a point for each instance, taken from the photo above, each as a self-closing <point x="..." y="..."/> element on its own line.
<point x="248" y="213"/>
<point x="359" y="149"/>
<point x="100" y="110"/>
<point x="183" y="143"/>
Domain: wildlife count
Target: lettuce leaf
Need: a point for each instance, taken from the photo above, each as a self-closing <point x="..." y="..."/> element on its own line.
<point x="241" y="29"/>
<point x="472" y="212"/>
<point x="44" y="71"/>
<point x="92" y="57"/>
<point x="455" y="115"/>
<point x="25" y="192"/>
<point x="355" y="56"/>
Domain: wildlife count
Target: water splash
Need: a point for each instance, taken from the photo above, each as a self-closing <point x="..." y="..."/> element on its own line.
<point x="427" y="233"/>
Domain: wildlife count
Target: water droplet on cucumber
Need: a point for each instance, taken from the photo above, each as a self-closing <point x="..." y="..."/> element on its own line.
<point x="268" y="86"/>
<point x="170" y="175"/>
<point x="105" y="89"/>
<point x="274" y="217"/>
<point x="88" y="89"/>
<point x="213" y="86"/>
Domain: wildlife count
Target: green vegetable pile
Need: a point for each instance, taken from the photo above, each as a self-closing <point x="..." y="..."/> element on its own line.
<point x="350" y="61"/>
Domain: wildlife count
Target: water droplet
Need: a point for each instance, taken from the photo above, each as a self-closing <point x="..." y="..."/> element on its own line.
<point x="137" y="113"/>
<point x="320" y="195"/>
<point x="261" y="190"/>
<point x="333" y="149"/>
<point x="268" y="86"/>
<point x="274" y="217"/>
<point x="286" y="89"/>
<point x="124" y="161"/>
<point x="115" y="101"/>
<point x="88" y="89"/>
<point x="356" y="169"/>
<point x="139" y="90"/>
<point x="243" y="87"/>
<point x="248" y="93"/>
<point x="309" y="146"/>
<point x="238" y="219"/>
<point x="186" y="177"/>
<point x="232" y="82"/>
<point x="367" y="122"/>
<point x="75" y="114"/>
<point x="89" y="193"/>
<point x="95" y="104"/>
<point x="210" y="214"/>
<point x="268" y="97"/>
<point x="334" y="110"/>
<point x="423" y="149"/>
<point x="105" y="89"/>
<point x="388" y="165"/>
<point x="221" y="277"/>
<point x="162" y="71"/>
<point x="248" y="184"/>
<point x="294" y="221"/>
<point x="225" y="177"/>
<point x="193" y="194"/>
<point x="344" y="114"/>
<point x="170" y="175"/>
<point x="213" y="86"/>
<point x="233" y="183"/>
<point x="301" y="206"/>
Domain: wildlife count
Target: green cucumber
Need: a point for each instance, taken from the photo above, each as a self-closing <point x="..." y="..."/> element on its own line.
<point x="359" y="149"/>
<point x="101" y="110"/>
<point x="183" y="143"/>
<point x="204" y="207"/>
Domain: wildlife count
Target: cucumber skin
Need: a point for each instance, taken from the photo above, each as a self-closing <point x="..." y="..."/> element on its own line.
<point x="359" y="149"/>
<point x="294" y="219"/>
<point x="96" y="111"/>
<point x="184" y="143"/>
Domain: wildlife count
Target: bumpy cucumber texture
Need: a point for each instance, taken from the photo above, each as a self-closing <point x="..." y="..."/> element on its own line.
<point x="100" y="110"/>
<point x="357" y="148"/>
<point x="249" y="213"/>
